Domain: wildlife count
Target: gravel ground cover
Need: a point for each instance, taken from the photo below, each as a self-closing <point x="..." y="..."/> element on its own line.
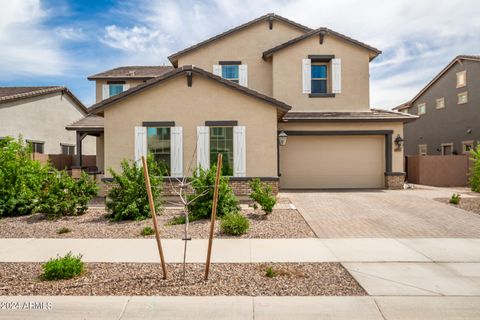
<point x="293" y="279"/>
<point x="282" y="223"/>
<point x="471" y="204"/>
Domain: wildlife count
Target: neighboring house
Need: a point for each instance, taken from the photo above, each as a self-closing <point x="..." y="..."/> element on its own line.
<point x="240" y="93"/>
<point x="39" y="115"/>
<point x="449" y="110"/>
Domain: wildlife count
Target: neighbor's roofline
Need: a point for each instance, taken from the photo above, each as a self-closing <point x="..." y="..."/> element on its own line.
<point x="184" y="69"/>
<point x="437" y="77"/>
<point x="175" y="55"/>
<point x="41" y="92"/>
<point x="322" y="30"/>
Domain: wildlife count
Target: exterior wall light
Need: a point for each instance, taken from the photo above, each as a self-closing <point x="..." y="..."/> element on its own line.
<point x="282" y="138"/>
<point x="399" y="142"/>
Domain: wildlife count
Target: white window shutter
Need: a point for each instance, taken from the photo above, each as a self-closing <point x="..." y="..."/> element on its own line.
<point x="140" y="143"/>
<point x="217" y="70"/>
<point x="203" y="147"/>
<point x="126" y="86"/>
<point x="239" y="152"/>
<point x="243" y="75"/>
<point x="105" y="91"/>
<point x="307" y="75"/>
<point x="176" y="147"/>
<point x="336" y="75"/>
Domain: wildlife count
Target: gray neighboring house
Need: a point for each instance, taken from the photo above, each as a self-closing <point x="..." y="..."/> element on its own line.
<point x="449" y="111"/>
<point x="39" y="115"/>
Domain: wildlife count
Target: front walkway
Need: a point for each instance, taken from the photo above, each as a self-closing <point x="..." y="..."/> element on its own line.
<point x="386" y="213"/>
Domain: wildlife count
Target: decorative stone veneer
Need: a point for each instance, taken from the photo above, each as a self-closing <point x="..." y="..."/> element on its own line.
<point x="394" y="180"/>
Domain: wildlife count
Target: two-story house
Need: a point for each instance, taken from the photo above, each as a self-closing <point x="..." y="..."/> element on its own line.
<point x="279" y="100"/>
<point x="448" y="107"/>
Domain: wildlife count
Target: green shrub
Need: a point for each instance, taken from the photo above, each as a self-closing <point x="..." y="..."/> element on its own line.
<point x="65" y="267"/>
<point x="455" y="199"/>
<point x="181" y="220"/>
<point x="204" y="181"/>
<point x="128" y="199"/>
<point x="475" y="173"/>
<point x="234" y="223"/>
<point x="147" y="231"/>
<point x="21" y="178"/>
<point x="269" y="272"/>
<point x="63" y="230"/>
<point x="263" y="195"/>
<point x="62" y="195"/>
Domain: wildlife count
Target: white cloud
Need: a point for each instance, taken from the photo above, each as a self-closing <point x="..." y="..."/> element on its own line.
<point x="70" y="33"/>
<point x="28" y="48"/>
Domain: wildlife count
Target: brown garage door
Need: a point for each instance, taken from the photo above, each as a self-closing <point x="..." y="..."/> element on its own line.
<point x="332" y="162"/>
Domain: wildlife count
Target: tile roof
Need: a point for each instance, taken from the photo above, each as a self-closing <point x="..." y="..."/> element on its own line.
<point x="90" y="122"/>
<point x="8" y="94"/>
<point x="321" y="30"/>
<point x="132" y="72"/>
<point x="270" y="16"/>
<point x="183" y="70"/>
<point x="372" y="115"/>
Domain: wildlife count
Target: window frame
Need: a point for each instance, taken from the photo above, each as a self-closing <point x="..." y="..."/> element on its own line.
<point x="115" y="83"/>
<point x="460" y="75"/>
<point x="442" y="99"/>
<point x="443" y="145"/>
<point x="34" y="143"/>
<point x="161" y="125"/>
<point x="465" y="143"/>
<point x="68" y="146"/>
<point x="213" y="160"/>
<point x="460" y="94"/>
<point x="424" y="105"/>
<point x="420" y="146"/>
<point x="327" y="86"/>
<point x="236" y="80"/>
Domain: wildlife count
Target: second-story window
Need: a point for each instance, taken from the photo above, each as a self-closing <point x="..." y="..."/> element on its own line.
<point x="422" y="108"/>
<point x="115" y="88"/>
<point x="319" y="78"/>
<point x="461" y="79"/>
<point x="230" y="72"/>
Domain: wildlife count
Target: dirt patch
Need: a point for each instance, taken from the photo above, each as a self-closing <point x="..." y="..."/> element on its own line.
<point x="468" y="204"/>
<point x="282" y="223"/>
<point x="293" y="279"/>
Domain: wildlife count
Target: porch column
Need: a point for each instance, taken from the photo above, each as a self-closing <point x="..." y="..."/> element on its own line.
<point x="80" y="137"/>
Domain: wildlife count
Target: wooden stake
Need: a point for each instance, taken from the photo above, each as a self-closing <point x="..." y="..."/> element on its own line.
<point x="214" y="214"/>
<point x="154" y="216"/>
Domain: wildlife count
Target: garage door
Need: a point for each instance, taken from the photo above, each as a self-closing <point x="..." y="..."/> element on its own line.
<point x="333" y="162"/>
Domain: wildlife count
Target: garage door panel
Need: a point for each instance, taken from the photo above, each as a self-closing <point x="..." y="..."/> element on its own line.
<point x="332" y="162"/>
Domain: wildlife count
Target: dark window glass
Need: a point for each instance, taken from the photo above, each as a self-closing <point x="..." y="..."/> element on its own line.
<point x="319" y="78"/>
<point x="158" y="142"/>
<point x="230" y="72"/>
<point x="319" y="86"/>
<point x="115" y="89"/>
<point x="221" y="141"/>
<point x="68" y="150"/>
<point x="37" y="146"/>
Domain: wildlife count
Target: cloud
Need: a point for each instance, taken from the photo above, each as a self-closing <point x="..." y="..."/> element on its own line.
<point x="418" y="38"/>
<point x="71" y="33"/>
<point x="28" y="48"/>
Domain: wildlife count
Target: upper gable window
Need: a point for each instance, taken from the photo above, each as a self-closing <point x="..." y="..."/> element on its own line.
<point x="319" y="78"/>
<point x="440" y="103"/>
<point x="461" y="79"/>
<point x="422" y="108"/>
<point x="230" y="72"/>
<point x="112" y="88"/>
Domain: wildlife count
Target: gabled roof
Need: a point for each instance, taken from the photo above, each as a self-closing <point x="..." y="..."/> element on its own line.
<point x="270" y="16"/>
<point x="8" y="94"/>
<point x="89" y="123"/>
<point x="132" y="72"/>
<point x="364" y="116"/>
<point x="438" y="76"/>
<point x="320" y="31"/>
<point x="185" y="70"/>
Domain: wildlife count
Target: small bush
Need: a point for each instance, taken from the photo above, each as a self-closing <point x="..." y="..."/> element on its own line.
<point x="66" y="267"/>
<point x="181" y="220"/>
<point x="128" y="199"/>
<point x="234" y="223"/>
<point x="269" y="272"/>
<point x="63" y="230"/>
<point x="21" y="178"/>
<point x="455" y="199"/>
<point x="475" y="173"/>
<point x="147" y="231"/>
<point x="62" y="195"/>
<point x="263" y="195"/>
<point x="204" y="181"/>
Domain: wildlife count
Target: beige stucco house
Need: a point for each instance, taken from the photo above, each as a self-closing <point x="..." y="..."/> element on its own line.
<point x="279" y="100"/>
<point x="39" y="115"/>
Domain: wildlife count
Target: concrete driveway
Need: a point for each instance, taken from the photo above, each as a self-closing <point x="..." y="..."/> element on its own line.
<point x="386" y="213"/>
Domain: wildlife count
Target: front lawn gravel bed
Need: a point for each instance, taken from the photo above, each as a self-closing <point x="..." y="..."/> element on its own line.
<point x="471" y="204"/>
<point x="293" y="279"/>
<point x="282" y="223"/>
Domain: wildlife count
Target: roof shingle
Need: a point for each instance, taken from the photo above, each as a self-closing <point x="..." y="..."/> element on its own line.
<point x="132" y="72"/>
<point x="372" y="115"/>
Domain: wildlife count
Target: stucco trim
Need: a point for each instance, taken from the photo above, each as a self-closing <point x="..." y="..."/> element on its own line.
<point x="226" y="123"/>
<point x="158" y="123"/>
<point x="100" y="106"/>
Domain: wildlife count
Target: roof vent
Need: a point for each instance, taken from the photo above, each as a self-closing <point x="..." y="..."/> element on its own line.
<point x="131" y="73"/>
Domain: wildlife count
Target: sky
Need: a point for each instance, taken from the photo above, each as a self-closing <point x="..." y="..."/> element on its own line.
<point x="61" y="42"/>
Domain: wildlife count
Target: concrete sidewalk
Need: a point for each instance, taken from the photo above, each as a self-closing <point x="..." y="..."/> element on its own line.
<point x="247" y="250"/>
<point x="259" y="308"/>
